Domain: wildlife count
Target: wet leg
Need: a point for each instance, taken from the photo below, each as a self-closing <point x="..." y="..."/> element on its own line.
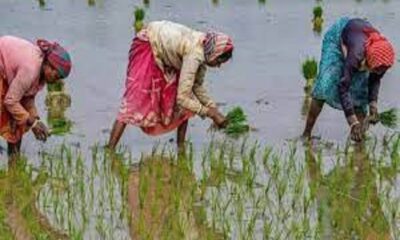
<point x="313" y="113"/>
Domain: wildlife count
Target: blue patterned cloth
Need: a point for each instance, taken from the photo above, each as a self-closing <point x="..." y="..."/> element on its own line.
<point x="331" y="71"/>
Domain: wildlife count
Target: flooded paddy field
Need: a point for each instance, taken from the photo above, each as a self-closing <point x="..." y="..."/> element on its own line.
<point x="265" y="185"/>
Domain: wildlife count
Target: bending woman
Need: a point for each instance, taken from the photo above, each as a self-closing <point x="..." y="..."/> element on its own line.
<point x="164" y="84"/>
<point x="24" y="70"/>
<point x="355" y="57"/>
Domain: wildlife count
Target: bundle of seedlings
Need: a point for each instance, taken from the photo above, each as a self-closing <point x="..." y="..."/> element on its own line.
<point x="389" y="118"/>
<point x="237" y="122"/>
<point x="139" y="18"/>
<point x="310" y="71"/>
<point x="318" y="11"/>
<point x="318" y="19"/>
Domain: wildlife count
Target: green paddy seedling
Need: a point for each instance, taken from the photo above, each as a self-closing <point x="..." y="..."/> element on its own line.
<point x="389" y="118"/>
<point x="318" y="19"/>
<point x="237" y="123"/>
<point x="91" y="3"/>
<point x="318" y="12"/>
<point x="139" y="18"/>
<point x="310" y="71"/>
<point x="42" y="3"/>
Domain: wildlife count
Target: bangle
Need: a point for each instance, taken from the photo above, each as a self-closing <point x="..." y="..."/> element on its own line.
<point x="35" y="123"/>
<point x="353" y="124"/>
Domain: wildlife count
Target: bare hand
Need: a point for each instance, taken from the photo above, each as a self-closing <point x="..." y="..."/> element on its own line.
<point x="373" y="117"/>
<point x="357" y="132"/>
<point x="13" y="126"/>
<point x="40" y="131"/>
<point x="219" y="119"/>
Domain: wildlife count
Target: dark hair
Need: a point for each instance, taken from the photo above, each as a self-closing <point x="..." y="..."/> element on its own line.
<point x="225" y="56"/>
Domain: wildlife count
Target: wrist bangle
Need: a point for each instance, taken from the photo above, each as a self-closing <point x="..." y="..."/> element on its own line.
<point x="353" y="124"/>
<point x="35" y="123"/>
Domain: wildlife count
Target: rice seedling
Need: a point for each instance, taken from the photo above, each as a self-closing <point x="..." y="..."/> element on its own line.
<point x="310" y="71"/>
<point x="262" y="2"/>
<point x="237" y="122"/>
<point x="139" y="14"/>
<point x="317" y="12"/>
<point x="318" y="19"/>
<point x="389" y="118"/>
<point x="91" y="3"/>
<point x="42" y="3"/>
<point x="261" y="192"/>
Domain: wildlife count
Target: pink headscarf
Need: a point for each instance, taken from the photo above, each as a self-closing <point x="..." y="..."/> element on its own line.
<point x="216" y="44"/>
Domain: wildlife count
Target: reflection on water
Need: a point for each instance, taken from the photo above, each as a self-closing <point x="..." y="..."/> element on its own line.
<point x="347" y="198"/>
<point x="162" y="197"/>
<point x="20" y="186"/>
<point x="234" y="191"/>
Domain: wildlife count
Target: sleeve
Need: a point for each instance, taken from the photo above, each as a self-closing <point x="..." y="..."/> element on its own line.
<point x="185" y="95"/>
<point x="18" y="87"/>
<point x="29" y="104"/>
<point x="374" y="83"/>
<point x="200" y="91"/>
<point x="355" y="55"/>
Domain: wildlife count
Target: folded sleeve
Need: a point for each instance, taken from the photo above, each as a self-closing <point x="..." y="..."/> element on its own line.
<point x="200" y="91"/>
<point x="353" y="61"/>
<point x="374" y="83"/>
<point x="185" y="96"/>
<point x="29" y="104"/>
<point x="18" y="87"/>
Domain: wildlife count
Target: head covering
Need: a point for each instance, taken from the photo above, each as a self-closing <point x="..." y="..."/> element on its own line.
<point x="216" y="44"/>
<point x="57" y="57"/>
<point x="379" y="51"/>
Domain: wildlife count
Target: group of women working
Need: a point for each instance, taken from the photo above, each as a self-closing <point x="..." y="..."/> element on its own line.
<point x="165" y="75"/>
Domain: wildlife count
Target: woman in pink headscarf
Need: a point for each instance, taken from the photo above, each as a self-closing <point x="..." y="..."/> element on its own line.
<point x="24" y="69"/>
<point x="164" y="84"/>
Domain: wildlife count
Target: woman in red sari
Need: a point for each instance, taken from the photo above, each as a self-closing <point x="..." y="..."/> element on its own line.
<point x="164" y="84"/>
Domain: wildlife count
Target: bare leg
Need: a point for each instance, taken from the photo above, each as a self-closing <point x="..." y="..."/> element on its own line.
<point x="116" y="133"/>
<point x="13" y="151"/>
<point x="181" y="135"/>
<point x="315" y="110"/>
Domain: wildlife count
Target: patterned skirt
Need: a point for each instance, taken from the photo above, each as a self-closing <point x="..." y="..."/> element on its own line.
<point x="149" y="101"/>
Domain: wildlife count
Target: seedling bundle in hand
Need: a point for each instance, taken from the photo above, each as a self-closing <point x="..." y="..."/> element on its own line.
<point x="237" y="122"/>
<point x="389" y="118"/>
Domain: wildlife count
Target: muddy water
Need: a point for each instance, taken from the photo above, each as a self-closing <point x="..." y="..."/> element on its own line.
<point x="271" y="42"/>
<point x="264" y="76"/>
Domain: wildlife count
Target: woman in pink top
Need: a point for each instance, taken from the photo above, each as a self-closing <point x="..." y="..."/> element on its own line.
<point x="24" y="69"/>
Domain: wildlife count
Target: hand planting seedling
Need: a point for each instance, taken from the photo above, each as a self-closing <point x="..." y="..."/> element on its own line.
<point x="237" y="122"/>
